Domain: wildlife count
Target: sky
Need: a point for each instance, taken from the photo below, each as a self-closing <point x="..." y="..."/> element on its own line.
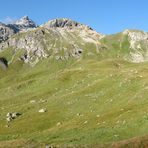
<point x="105" y="16"/>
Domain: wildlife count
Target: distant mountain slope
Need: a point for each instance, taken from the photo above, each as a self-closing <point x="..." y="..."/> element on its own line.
<point x="131" y="45"/>
<point x="64" y="38"/>
<point x="59" y="38"/>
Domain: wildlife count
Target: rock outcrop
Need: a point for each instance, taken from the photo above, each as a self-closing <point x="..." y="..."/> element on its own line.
<point x="64" y="38"/>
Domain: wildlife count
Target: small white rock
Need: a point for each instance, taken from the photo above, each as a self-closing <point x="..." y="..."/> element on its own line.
<point x="9" y="119"/>
<point x="42" y="110"/>
<point x="78" y="114"/>
<point x="9" y="115"/>
<point x="98" y="116"/>
<point x="59" y="123"/>
<point x="85" y="122"/>
<point x="98" y="123"/>
<point x="32" y="101"/>
<point x="116" y="135"/>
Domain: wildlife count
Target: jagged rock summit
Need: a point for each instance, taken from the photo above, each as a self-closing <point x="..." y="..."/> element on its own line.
<point x="64" y="23"/>
<point x="25" y="23"/>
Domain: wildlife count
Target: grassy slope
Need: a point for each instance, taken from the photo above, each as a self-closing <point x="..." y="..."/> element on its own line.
<point x="110" y="88"/>
<point x="114" y="89"/>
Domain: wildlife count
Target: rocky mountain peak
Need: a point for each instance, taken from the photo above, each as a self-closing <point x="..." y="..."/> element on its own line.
<point x="64" y="23"/>
<point x="25" y="23"/>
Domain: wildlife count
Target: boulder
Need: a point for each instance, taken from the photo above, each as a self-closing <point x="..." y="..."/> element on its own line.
<point x="12" y="116"/>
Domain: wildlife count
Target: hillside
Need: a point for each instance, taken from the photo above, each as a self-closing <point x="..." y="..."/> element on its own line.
<point x="72" y="86"/>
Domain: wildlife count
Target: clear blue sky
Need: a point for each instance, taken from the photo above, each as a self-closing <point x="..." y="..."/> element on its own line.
<point x="106" y="16"/>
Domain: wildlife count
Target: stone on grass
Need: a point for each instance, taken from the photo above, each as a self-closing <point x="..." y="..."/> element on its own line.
<point x="42" y="101"/>
<point x="6" y="125"/>
<point x="59" y="123"/>
<point x="116" y="135"/>
<point x="9" y="114"/>
<point x="98" y="123"/>
<point x="15" y="115"/>
<point x="12" y="116"/>
<point x="32" y="101"/>
<point x="98" y="116"/>
<point x="111" y="100"/>
<point x="9" y="119"/>
<point x="140" y="76"/>
<point x="78" y="114"/>
<point x="85" y="122"/>
<point x="42" y="110"/>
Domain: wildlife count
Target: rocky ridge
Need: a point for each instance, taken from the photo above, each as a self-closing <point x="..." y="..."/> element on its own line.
<point x="64" y="23"/>
<point x="51" y="39"/>
<point x="64" y="38"/>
